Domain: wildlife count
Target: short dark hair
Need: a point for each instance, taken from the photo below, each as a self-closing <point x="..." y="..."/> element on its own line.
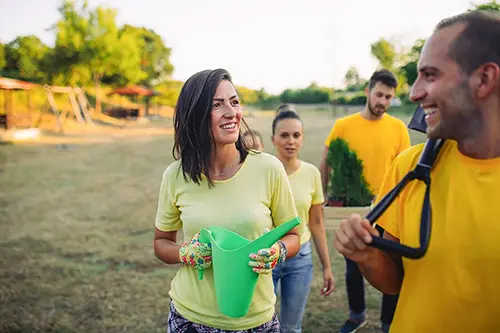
<point x="193" y="139"/>
<point x="478" y="43"/>
<point x="285" y="115"/>
<point x="383" y="76"/>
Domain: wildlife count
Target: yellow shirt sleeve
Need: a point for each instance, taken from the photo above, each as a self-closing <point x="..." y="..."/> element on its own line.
<point x="317" y="195"/>
<point x="282" y="204"/>
<point x="335" y="132"/>
<point x="168" y="215"/>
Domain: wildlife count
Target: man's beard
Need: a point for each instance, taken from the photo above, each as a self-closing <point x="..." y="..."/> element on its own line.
<point x="373" y="110"/>
<point x="464" y="122"/>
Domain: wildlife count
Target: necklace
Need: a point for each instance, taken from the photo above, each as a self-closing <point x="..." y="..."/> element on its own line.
<point x="232" y="165"/>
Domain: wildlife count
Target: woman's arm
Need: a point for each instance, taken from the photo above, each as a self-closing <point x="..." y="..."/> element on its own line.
<point x="165" y="246"/>
<point x="319" y="235"/>
<point x="292" y="242"/>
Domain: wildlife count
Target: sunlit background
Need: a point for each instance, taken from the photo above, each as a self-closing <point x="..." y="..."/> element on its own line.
<point x="87" y="95"/>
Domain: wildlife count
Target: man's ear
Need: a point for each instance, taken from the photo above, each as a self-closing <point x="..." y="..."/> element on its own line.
<point x="485" y="80"/>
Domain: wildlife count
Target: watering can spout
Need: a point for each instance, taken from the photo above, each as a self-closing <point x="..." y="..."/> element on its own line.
<point x="275" y="234"/>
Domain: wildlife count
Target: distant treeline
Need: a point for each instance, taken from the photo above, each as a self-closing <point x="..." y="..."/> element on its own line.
<point x="91" y="51"/>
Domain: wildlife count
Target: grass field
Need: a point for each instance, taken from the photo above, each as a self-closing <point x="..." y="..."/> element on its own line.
<point x="76" y="227"/>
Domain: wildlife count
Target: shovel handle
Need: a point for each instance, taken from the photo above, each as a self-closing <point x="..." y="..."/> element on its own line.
<point x="422" y="173"/>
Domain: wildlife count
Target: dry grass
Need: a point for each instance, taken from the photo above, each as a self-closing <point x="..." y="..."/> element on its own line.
<point x="76" y="227"/>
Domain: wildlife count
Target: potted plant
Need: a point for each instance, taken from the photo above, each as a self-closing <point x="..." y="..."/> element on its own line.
<point x="348" y="186"/>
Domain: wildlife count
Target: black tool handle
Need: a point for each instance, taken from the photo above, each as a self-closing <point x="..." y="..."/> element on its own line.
<point x="422" y="173"/>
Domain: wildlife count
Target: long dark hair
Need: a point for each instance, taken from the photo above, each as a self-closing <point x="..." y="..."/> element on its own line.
<point x="194" y="143"/>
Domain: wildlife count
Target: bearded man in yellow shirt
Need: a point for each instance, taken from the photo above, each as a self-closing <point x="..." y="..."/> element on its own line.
<point x="455" y="286"/>
<point x="377" y="138"/>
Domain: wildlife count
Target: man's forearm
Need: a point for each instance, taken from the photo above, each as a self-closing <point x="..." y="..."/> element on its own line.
<point x="383" y="272"/>
<point x="324" y="177"/>
<point x="323" y="169"/>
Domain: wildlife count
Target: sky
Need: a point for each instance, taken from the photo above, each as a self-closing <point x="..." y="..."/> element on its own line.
<point x="272" y="44"/>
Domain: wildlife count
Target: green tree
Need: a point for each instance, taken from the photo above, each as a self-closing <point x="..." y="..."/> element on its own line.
<point x="72" y="36"/>
<point x="493" y="6"/>
<point x="385" y="53"/>
<point x="24" y="58"/>
<point x="2" y="57"/>
<point x="247" y="96"/>
<point x="288" y="96"/>
<point x="155" y="56"/>
<point x="170" y="91"/>
<point x="109" y="51"/>
<point x="3" y="60"/>
<point x="391" y="59"/>
<point x="410" y="69"/>
<point x="347" y="182"/>
<point x="90" y="47"/>
<point x="311" y="95"/>
<point x="352" y="77"/>
<point x="266" y="100"/>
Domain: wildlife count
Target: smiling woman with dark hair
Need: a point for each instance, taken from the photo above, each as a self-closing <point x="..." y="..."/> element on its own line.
<point x="217" y="180"/>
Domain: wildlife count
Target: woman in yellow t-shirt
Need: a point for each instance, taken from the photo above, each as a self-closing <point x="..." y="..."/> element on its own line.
<point x="294" y="276"/>
<point x="216" y="180"/>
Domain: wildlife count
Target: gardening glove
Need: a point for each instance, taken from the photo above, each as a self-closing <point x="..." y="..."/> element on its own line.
<point x="264" y="261"/>
<point x="196" y="254"/>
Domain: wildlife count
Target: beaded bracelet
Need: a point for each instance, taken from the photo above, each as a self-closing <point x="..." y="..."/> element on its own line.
<point x="283" y="251"/>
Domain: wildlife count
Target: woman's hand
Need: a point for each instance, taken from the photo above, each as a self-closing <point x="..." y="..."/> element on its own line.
<point x="196" y="254"/>
<point x="328" y="282"/>
<point x="264" y="261"/>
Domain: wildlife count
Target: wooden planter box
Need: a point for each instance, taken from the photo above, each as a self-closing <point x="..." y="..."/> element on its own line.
<point x="333" y="215"/>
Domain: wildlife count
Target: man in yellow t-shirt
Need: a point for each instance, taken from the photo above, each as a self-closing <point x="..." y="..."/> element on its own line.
<point x="454" y="287"/>
<point x="377" y="138"/>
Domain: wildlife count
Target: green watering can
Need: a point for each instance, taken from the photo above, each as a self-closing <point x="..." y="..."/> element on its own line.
<point x="235" y="280"/>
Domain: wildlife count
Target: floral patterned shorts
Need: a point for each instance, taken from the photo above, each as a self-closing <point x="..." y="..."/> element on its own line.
<point x="179" y="324"/>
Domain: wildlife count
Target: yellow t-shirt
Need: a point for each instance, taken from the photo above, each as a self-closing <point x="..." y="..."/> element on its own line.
<point x="455" y="286"/>
<point x="307" y="191"/>
<point x="376" y="142"/>
<point x="257" y="197"/>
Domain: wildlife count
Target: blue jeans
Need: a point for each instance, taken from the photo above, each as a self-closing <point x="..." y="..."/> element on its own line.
<point x="295" y="277"/>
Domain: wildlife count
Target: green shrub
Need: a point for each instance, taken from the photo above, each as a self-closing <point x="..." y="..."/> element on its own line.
<point x="347" y="183"/>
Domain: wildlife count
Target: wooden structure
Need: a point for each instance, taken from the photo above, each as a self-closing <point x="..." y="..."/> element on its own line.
<point x="8" y="118"/>
<point x="79" y="106"/>
<point x="135" y="92"/>
<point x="333" y="215"/>
<point x="84" y="104"/>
